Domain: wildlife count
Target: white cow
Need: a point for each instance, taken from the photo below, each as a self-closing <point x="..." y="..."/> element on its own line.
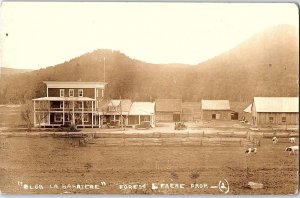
<point x="275" y="140"/>
<point x="250" y="151"/>
<point x="292" y="140"/>
<point x="292" y="149"/>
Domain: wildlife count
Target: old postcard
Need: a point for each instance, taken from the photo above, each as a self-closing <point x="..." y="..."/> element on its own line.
<point x="149" y="98"/>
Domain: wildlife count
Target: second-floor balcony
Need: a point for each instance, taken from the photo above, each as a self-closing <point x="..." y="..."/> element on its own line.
<point x="67" y="104"/>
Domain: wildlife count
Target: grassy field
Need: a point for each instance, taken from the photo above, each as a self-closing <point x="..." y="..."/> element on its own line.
<point x="47" y="164"/>
<point x="49" y="161"/>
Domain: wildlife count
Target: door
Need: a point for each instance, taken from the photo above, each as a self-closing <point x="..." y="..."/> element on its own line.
<point x="176" y="117"/>
<point x="234" y="116"/>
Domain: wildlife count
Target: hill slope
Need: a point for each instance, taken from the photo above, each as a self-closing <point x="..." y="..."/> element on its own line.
<point x="4" y="71"/>
<point x="264" y="65"/>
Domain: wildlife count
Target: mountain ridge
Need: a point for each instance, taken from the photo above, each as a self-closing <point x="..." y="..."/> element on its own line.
<point x="266" y="64"/>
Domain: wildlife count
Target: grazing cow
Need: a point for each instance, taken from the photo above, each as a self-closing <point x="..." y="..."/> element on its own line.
<point x="292" y="149"/>
<point x="250" y="151"/>
<point x="274" y="140"/>
<point x="292" y="140"/>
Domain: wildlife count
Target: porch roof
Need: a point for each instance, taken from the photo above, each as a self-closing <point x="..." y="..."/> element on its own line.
<point x="142" y="108"/>
<point x="64" y="99"/>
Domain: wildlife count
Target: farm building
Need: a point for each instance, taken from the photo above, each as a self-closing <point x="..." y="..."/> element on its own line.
<point x="237" y="109"/>
<point x="112" y="110"/>
<point x="275" y="111"/>
<point x="215" y="110"/>
<point x="191" y="111"/>
<point x="141" y="111"/>
<point x="168" y="110"/>
<point x="247" y="113"/>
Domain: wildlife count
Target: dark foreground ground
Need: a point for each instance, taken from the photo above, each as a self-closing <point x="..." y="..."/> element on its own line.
<point x="41" y="162"/>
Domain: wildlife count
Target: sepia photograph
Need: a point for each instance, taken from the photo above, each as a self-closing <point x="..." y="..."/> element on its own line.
<point x="149" y="98"/>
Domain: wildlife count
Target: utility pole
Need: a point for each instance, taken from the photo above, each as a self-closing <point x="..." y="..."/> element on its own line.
<point x="121" y="118"/>
<point x="104" y="69"/>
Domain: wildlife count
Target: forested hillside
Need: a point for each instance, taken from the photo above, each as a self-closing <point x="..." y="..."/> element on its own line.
<point x="264" y="65"/>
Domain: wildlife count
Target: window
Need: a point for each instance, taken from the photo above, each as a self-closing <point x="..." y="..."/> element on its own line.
<point x="57" y="117"/>
<point x="86" y="118"/>
<point x="62" y="92"/>
<point x="112" y="108"/>
<point x="61" y="105"/>
<point x="283" y="119"/>
<point x="71" y="92"/>
<point x="80" y="105"/>
<point x="271" y="119"/>
<point x="80" y="92"/>
<point x="67" y="117"/>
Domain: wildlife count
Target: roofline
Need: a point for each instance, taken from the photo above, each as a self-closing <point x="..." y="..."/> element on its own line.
<point x="73" y="84"/>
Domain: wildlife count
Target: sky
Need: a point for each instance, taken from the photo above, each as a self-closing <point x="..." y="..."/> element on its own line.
<point x="40" y="34"/>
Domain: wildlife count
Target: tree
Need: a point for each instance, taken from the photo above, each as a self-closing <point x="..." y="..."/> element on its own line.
<point x="27" y="114"/>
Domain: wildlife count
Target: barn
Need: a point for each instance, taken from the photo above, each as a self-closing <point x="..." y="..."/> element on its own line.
<point x="275" y="111"/>
<point x="191" y="111"/>
<point x="141" y="111"/>
<point x="168" y="110"/>
<point x="215" y="110"/>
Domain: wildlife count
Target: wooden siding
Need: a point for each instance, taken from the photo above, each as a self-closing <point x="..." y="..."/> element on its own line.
<point x="224" y="114"/>
<point x="291" y="118"/>
<point x="165" y="116"/>
<point x="87" y="92"/>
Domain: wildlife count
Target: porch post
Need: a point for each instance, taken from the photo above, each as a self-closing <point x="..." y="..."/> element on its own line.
<point x="99" y="120"/>
<point x="139" y="119"/>
<point x="73" y="116"/>
<point x="63" y="112"/>
<point x="82" y="115"/>
<point x="92" y="114"/>
<point x="34" y="118"/>
<point x="49" y="112"/>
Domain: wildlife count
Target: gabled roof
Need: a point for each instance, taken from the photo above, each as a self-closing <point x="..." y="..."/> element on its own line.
<point x="72" y="84"/>
<point x="168" y="105"/>
<point x="215" y="105"/>
<point x="248" y="109"/>
<point x="276" y="104"/>
<point x="126" y="104"/>
<point x="191" y="107"/>
<point x="142" y="108"/>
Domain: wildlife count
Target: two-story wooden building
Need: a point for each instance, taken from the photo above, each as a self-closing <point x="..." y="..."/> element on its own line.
<point x="69" y="102"/>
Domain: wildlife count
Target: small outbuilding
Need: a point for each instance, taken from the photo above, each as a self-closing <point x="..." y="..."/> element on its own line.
<point x="141" y="111"/>
<point x="168" y="110"/>
<point x="191" y="111"/>
<point x="215" y="110"/>
<point x="275" y="111"/>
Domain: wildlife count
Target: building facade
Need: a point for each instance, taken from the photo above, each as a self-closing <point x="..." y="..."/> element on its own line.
<point x="215" y="110"/>
<point x="168" y="110"/>
<point x="142" y="111"/>
<point x="275" y="111"/>
<point x="114" y="112"/>
<point x="69" y="103"/>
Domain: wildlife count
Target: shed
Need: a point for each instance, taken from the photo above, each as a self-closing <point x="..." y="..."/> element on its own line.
<point x="168" y="110"/>
<point x="141" y="111"/>
<point x="215" y="110"/>
<point x="191" y="111"/>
